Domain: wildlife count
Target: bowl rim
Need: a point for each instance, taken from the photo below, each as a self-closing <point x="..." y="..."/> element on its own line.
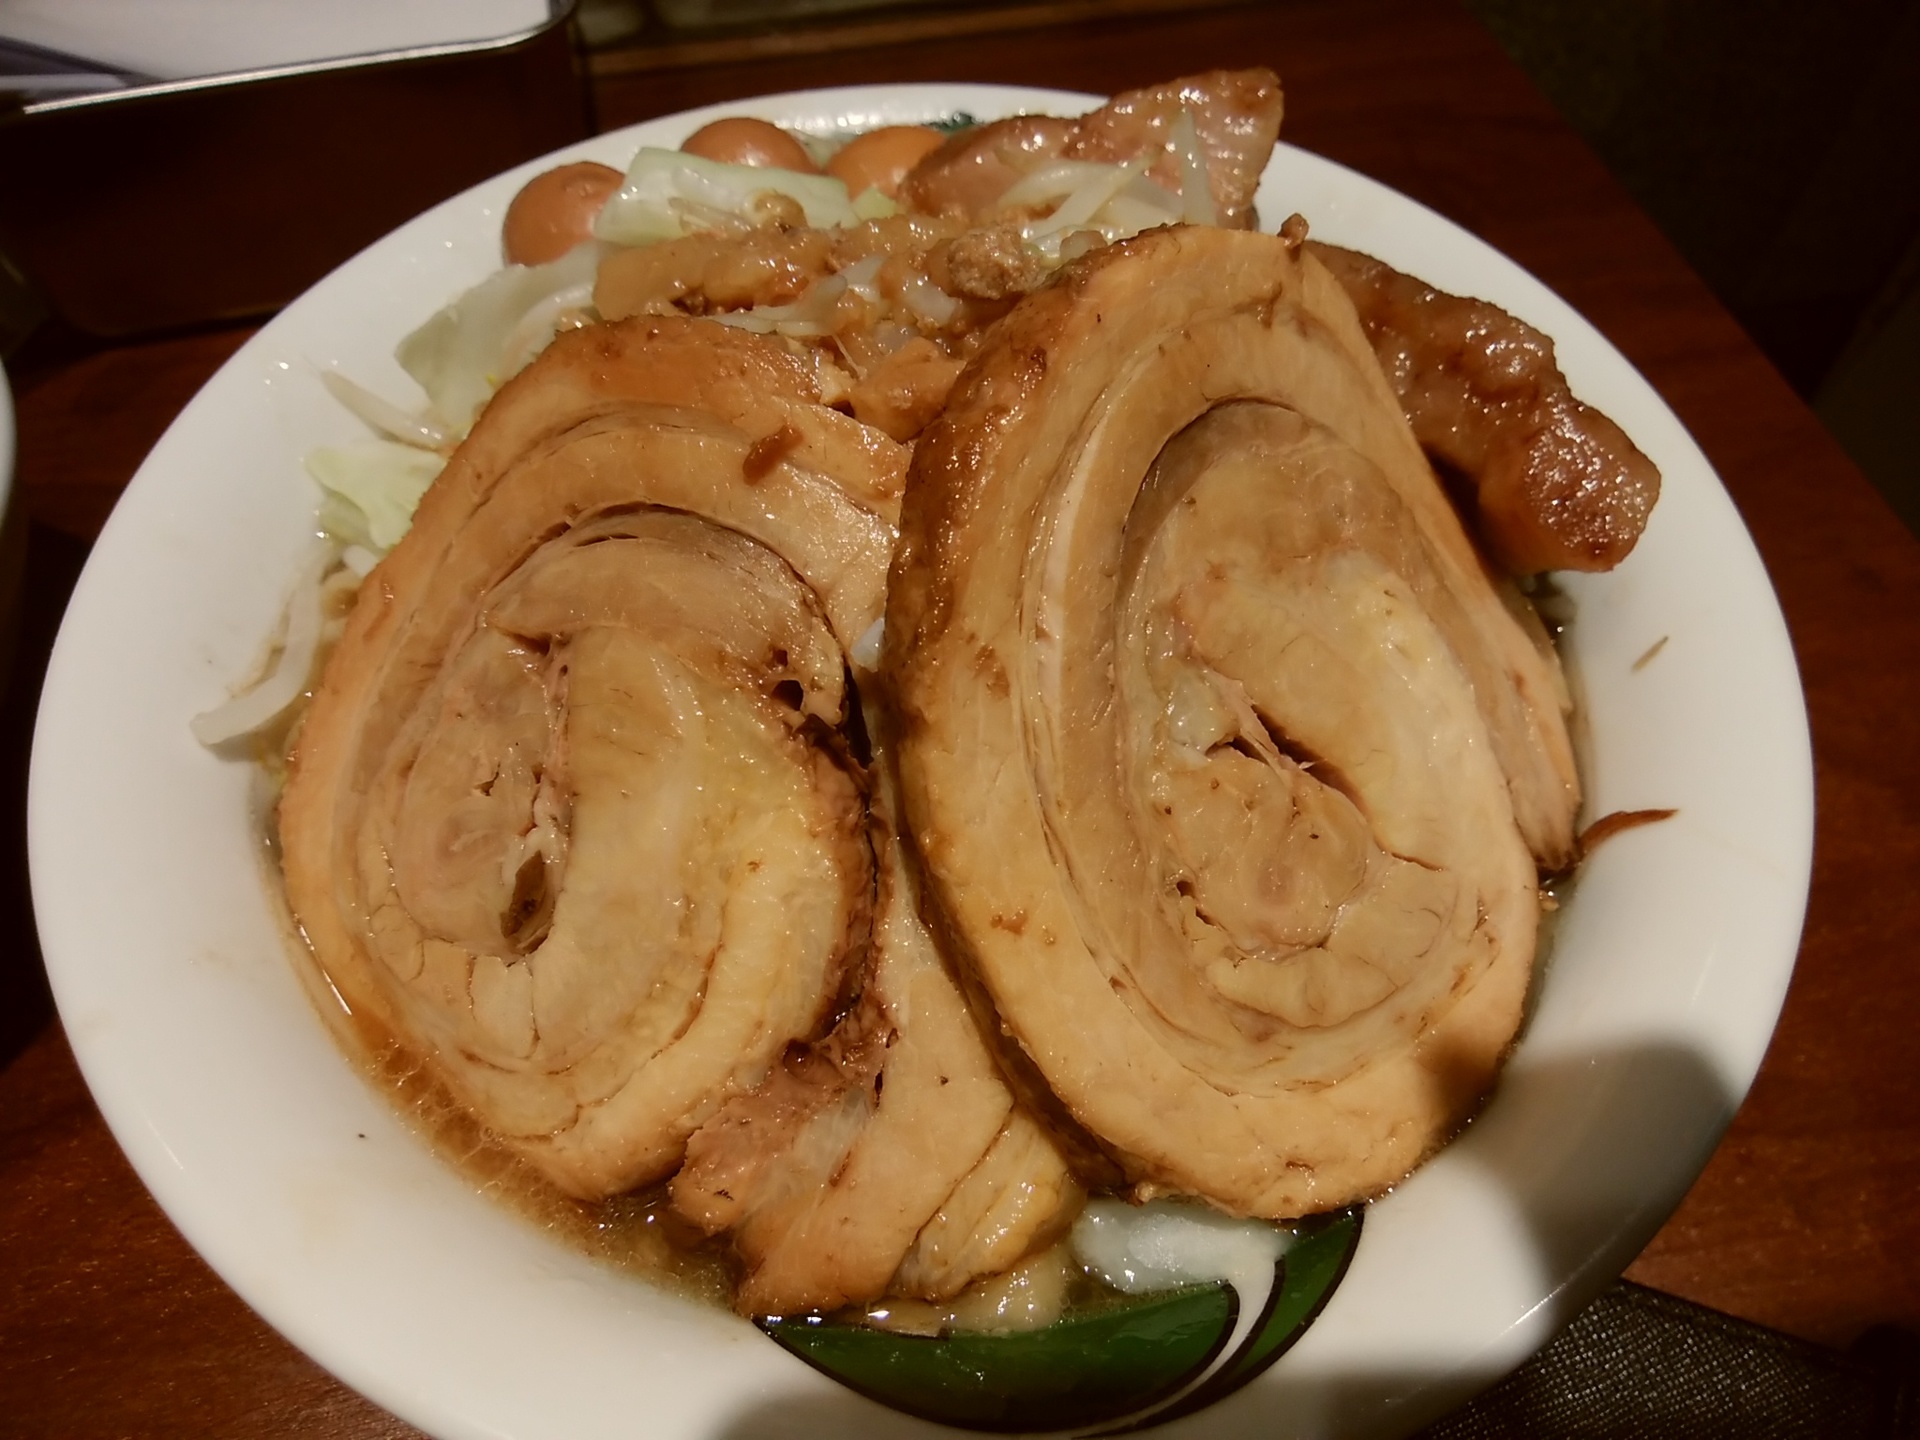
<point x="1448" y="1338"/>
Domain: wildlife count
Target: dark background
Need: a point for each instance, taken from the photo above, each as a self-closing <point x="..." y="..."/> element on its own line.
<point x="1778" y="146"/>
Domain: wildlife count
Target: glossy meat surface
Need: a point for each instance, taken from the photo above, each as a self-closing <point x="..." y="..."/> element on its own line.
<point x="1554" y="484"/>
<point x="1236" y="116"/>
<point x="1229" y="765"/>
<point x="571" y="815"/>
<point x="830" y="1176"/>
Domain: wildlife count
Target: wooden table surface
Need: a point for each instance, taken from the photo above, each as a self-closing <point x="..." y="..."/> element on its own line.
<point x="1808" y="1217"/>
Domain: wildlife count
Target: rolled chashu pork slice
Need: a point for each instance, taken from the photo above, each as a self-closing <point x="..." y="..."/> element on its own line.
<point x="891" y="1158"/>
<point x="1229" y="767"/>
<point x="572" y="814"/>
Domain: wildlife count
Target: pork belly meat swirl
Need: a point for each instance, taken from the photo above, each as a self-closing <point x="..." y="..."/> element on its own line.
<point x="572" y="813"/>
<point x="1230" y="768"/>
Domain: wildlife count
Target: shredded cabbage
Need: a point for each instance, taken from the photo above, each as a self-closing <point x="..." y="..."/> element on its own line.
<point x="382" y="414"/>
<point x="871" y="204"/>
<point x="865" y="654"/>
<point x="1056" y="180"/>
<point x="1196" y="189"/>
<point x="863" y="278"/>
<point x="469" y="348"/>
<point x="1140" y="205"/>
<point x="292" y="669"/>
<point x="1116" y="201"/>
<point x="817" y="312"/>
<point x="927" y="301"/>
<point x="372" y="488"/>
<point x="669" y="193"/>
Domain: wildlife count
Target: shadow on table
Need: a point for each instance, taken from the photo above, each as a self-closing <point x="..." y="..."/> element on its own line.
<point x="38" y="568"/>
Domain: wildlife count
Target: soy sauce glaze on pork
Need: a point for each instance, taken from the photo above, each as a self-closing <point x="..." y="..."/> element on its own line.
<point x="1550" y="483"/>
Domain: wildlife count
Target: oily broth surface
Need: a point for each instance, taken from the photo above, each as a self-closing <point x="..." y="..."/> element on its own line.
<point x="636" y="1232"/>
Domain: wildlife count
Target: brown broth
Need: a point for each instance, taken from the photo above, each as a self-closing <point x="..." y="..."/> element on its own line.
<point x="636" y="1232"/>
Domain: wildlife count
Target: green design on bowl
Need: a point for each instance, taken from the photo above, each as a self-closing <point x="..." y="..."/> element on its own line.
<point x="1088" y="1369"/>
<point x="1309" y="1273"/>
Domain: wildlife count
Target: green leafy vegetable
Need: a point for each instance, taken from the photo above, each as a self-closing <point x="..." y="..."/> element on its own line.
<point x="372" y="488"/>
<point x="469" y="348"/>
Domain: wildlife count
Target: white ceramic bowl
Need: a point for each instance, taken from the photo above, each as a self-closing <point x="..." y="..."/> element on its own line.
<point x="7" y="441"/>
<point x="13" y="532"/>
<point x="301" y="1187"/>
